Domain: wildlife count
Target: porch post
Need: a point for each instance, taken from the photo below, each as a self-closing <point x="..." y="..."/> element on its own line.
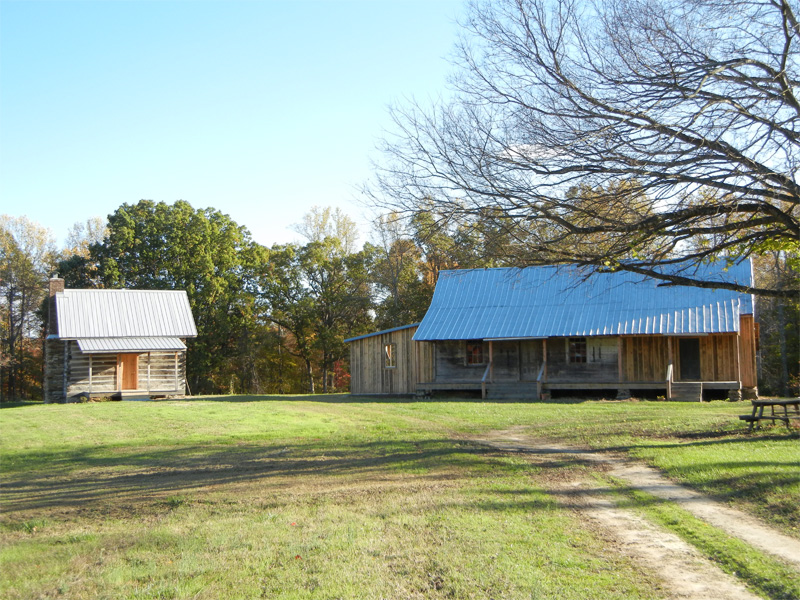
<point x="491" y="362"/>
<point x="544" y="358"/>
<point x="176" y="371"/>
<point x="620" y="372"/>
<point x="90" y="373"/>
<point x="148" y="372"/>
<point x="738" y="362"/>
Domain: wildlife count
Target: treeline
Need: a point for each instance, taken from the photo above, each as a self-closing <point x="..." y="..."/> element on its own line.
<point x="273" y="320"/>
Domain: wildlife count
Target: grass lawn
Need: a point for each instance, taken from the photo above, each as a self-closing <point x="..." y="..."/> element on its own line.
<point x="248" y="497"/>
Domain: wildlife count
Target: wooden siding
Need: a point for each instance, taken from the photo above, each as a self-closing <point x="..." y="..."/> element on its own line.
<point x="531" y="357"/>
<point x="413" y="363"/>
<point x="161" y="366"/>
<point x="645" y="358"/>
<point x="748" y="345"/>
<point x="600" y="366"/>
<point x="451" y="361"/>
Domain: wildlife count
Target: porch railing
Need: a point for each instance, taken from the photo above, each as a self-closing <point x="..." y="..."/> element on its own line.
<point x="669" y="381"/>
<point x="539" y="382"/>
<point x="483" y="380"/>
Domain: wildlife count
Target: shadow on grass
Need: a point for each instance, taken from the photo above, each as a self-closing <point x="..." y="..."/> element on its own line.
<point x="444" y="397"/>
<point x="91" y="478"/>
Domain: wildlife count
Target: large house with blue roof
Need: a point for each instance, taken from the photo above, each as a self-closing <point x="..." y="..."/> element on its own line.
<point x="526" y="332"/>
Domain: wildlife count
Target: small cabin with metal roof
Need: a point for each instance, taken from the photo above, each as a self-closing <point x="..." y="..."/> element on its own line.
<point x="116" y="343"/>
<point x="525" y="332"/>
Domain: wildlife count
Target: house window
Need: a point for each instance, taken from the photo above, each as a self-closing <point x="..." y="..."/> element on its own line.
<point x="389" y="358"/>
<point x="577" y="350"/>
<point x="475" y="353"/>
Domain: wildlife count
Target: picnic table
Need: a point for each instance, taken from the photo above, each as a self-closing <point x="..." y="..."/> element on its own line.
<point x="758" y="415"/>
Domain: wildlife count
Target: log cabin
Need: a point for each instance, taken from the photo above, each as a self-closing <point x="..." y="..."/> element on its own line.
<point x="526" y="332"/>
<point x="116" y="343"/>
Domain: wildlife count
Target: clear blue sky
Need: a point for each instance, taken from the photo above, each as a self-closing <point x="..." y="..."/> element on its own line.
<point x="260" y="109"/>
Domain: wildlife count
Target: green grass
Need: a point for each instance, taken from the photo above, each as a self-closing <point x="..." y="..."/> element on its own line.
<point x="762" y="573"/>
<point x="247" y="497"/>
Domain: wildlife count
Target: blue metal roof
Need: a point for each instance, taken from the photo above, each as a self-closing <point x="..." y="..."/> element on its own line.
<point x="538" y="302"/>
<point x="374" y="333"/>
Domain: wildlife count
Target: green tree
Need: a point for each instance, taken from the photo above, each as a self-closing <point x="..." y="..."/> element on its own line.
<point x="291" y="306"/>
<point x="320" y="292"/>
<point x="403" y="296"/>
<point x="155" y="245"/>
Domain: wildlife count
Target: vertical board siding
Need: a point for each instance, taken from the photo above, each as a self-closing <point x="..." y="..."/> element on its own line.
<point x="413" y="360"/>
<point x="645" y="358"/>
<point x="747" y="349"/>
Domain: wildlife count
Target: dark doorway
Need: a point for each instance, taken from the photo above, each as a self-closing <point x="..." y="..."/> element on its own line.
<point x="689" y="352"/>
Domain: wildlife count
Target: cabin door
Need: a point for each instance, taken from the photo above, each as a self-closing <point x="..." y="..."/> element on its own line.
<point x="689" y="352"/>
<point x="128" y="371"/>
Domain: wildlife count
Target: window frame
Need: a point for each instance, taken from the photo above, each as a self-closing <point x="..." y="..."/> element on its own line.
<point x="390" y="355"/>
<point x="470" y="346"/>
<point x="574" y="354"/>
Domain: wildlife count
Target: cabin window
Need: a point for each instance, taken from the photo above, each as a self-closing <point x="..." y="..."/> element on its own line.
<point x="577" y="350"/>
<point x="389" y="356"/>
<point x="475" y="353"/>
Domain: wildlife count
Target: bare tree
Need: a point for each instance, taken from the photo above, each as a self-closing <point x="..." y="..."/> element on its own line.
<point x="676" y="119"/>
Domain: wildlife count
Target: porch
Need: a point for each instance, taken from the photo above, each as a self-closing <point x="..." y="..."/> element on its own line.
<point x="690" y="391"/>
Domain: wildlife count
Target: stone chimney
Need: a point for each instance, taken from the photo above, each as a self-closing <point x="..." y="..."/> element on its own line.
<point x="56" y="285"/>
<point x="53" y="348"/>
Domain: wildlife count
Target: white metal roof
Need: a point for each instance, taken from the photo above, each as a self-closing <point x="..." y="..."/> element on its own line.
<point x="537" y="302"/>
<point x="137" y="344"/>
<point x="124" y="314"/>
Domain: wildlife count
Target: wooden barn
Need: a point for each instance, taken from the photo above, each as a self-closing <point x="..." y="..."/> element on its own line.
<point x="523" y="333"/>
<point x="116" y="343"/>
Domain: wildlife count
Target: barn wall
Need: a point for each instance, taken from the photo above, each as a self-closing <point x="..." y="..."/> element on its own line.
<point x="368" y="373"/>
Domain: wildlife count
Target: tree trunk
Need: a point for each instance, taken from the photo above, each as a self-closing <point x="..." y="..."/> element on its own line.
<point x="310" y="373"/>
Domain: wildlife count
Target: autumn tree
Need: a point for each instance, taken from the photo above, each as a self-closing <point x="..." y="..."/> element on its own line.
<point x="27" y="254"/>
<point x="652" y="104"/>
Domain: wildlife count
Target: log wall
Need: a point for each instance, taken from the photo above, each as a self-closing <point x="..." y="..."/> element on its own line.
<point x="161" y="365"/>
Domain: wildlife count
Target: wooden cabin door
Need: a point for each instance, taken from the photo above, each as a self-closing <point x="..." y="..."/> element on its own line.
<point x="128" y="371"/>
<point x="689" y="352"/>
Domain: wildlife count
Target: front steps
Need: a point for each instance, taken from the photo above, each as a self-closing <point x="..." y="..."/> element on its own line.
<point x="521" y="390"/>
<point x="687" y="391"/>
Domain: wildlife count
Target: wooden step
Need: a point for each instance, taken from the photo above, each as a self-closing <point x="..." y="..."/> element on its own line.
<point x="511" y="391"/>
<point x="687" y="391"/>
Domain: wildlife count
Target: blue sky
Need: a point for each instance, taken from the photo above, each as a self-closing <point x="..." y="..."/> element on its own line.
<point x="261" y="109"/>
